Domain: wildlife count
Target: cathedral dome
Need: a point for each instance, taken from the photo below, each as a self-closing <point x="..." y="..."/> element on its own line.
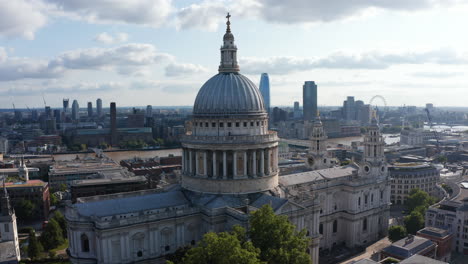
<point x="228" y="94"/>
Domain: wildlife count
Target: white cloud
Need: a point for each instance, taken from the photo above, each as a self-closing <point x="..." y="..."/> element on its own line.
<point x="133" y="58"/>
<point x="182" y="69"/>
<point x="343" y="60"/>
<point x="32" y="89"/>
<point x="140" y="12"/>
<point x="21" y="18"/>
<point x="106" y="38"/>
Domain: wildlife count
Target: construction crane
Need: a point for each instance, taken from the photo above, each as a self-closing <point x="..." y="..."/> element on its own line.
<point x="43" y="99"/>
<point x="436" y="134"/>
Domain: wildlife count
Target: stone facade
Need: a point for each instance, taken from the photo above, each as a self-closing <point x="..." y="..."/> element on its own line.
<point x="229" y="168"/>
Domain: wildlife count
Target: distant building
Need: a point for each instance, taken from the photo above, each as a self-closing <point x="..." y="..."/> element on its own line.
<point x="297" y="112"/>
<point x="9" y="243"/>
<point x="90" y="109"/>
<point x="136" y="119"/>
<point x="99" y="107"/>
<point x="92" y="187"/>
<point x="149" y="111"/>
<point x="3" y="145"/>
<point x="408" y="176"/>
<point x="349" y="109"/>
<point x="309" y="100"/>
<point x="113" y="124"/>
<point x="66" y="105"/>
<point x="75" y="110"/>
<point x="265" y="90"/>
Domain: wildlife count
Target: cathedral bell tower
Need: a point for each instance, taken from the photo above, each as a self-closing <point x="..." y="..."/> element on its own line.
<point x="318" y="157"/>
<point x="373" y="161"/>
<point x="228" y="51"/>
<point x="8" y="230"/>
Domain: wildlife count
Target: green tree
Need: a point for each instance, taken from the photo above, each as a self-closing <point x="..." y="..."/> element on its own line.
<point x="396" y="233"/>
<point x="418" y="198"/>
<point x="277" y="238"/>
<point x="414" y="222"/>
<point x="52" y="235"/>
<point x="54" y="200"/>
<point x="58" y="216"/>
<point x="222" y="248"/>
<point x="25" y="209"/>
<point x="34" y="248"/>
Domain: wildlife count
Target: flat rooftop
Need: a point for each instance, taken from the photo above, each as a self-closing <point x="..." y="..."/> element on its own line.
<point x="22" y="184"/>
<point x="317" y="175"/>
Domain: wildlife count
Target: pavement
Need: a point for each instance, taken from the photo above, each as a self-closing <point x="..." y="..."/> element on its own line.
<point x="371" y="251"/>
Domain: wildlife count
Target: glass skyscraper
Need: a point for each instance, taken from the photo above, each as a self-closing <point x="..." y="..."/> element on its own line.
<point x="309" y="97"/>
<point x="265" y="90"/>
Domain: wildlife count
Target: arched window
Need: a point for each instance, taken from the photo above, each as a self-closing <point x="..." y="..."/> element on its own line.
<point x="364" y="224"/>
<point x="335" y="226"/>
<point x="321" y="228"/>
<point x="84" y="243"/>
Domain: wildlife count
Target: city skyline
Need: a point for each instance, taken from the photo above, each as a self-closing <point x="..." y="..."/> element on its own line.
<point x="136" y="57"/>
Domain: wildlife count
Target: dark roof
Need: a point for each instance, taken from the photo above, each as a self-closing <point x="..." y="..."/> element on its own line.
<point x="435" y="232"/>
<point x="405" y="248"/>
<point x="418" y="259"/>
<point x="364" y="261"/>
<point x="131" y="204"/>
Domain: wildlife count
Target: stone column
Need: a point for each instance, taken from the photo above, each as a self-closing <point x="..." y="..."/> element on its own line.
<point x="254" y="163"/>
<point x="215" y="171"/>
<point x="245" y="164"/>
<point x="196" y="163"/>
<point x="224" y="165"/>
<point x="262" y="162"/>
<point x="234" y="164"/>
<point x="205" y="163"/>
<point x="191" y="162"/>
<point x="268" y="151"/>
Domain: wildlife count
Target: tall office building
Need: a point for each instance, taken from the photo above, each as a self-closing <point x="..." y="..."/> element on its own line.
<point x="309" y="100"/>
<point x="349" y="109"/>
<point x="99" y="107"/>
<point x="265" y="90"/>
<point x="297" y="111"/>
<point x="90" y="109"/>
<point x="48" y="112"/>
<point x="113" y="123"/>
<point x="149" y="111"/>
<point x="65" y="104"/>
<point x="75" y="110"/>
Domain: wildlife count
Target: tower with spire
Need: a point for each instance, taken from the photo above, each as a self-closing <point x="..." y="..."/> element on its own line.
<point x="318" y="157"/>
<point x="23" y="171"/>
<point x="374" y="163"/>
<point x="8" y="229"/>
<point x="228" y="51"/>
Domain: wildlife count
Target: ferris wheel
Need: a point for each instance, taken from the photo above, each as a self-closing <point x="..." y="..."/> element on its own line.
<point x="379" y="104"/>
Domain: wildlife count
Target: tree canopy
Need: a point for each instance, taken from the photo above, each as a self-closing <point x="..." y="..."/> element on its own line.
<point x="52" y="235"/>
<point x="25" y="209"/>
<point x="277" y="238"/>
<point x="35" y="247"/>
<point x="414" y="222"/>
<point x="271" y="239"/>
<point x="222" y="248"/>
<point x="419" y="198"/>
<point x="396" y="233"/>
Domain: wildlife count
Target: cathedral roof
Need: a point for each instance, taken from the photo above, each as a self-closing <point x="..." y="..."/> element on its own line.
<point x="131" y="204"/>
<point x="228" y="94"/>
<point x="318" y="175"/>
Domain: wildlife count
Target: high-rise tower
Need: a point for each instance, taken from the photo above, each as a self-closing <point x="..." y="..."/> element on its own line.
<point x="90" y="109"/>
<point x="265" y="90"/>
<point x="99" y="107"/>
<point x="66" y="105"/>
<point x="309" y="97"/>
<point x="113" y="124"/>
<point x="75" y="110"/>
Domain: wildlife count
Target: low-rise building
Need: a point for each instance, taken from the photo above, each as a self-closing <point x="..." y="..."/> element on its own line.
<point x="443" y="238"/>
<point x="409" y="246"/>
<point x="452" y="215"/>
<point x="35" y="191"/>
<point x="408" y="176"/>
<point x="91" y="187"/>
<point x="65" y="172"/>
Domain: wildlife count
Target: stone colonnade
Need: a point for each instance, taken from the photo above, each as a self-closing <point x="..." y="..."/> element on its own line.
<point x="230" y="164"/>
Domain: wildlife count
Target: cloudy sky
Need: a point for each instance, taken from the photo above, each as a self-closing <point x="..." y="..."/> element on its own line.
<point x="160" y="52"/>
